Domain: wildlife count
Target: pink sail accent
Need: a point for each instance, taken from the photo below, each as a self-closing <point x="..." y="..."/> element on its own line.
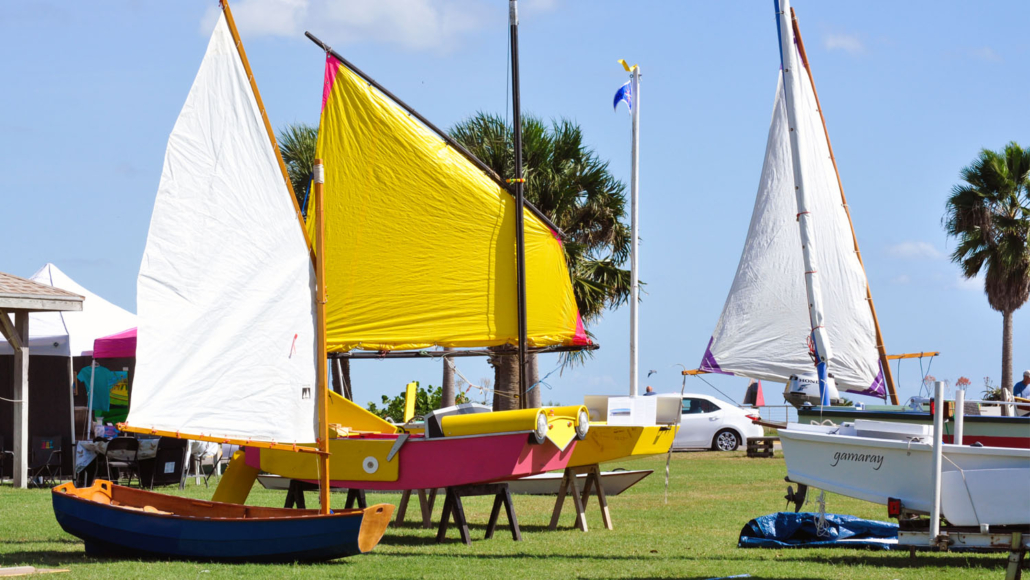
<point x="580" y="337"/>
<point x="332" y="66"/>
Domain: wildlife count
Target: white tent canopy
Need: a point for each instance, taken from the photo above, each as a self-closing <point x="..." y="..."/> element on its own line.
<point x="71" y="333"/>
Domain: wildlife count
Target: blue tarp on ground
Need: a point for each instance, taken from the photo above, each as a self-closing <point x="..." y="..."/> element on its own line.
<point x="790" y="530"/>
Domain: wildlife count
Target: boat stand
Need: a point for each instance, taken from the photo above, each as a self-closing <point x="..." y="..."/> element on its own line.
<point x="1013" y="540"/>
<point x="295" y="495"/>
<point x="426" y="500"/>
<point x="452" y="505"/>
<point x="580" y="499"/>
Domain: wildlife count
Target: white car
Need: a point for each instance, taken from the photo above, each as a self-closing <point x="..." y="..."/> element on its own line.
<point x="708" y="423"/>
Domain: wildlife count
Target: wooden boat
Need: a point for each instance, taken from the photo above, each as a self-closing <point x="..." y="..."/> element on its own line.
<point x="124" y="522"/>
<point x="614" y="482"/>
<point x="225" y="185"/>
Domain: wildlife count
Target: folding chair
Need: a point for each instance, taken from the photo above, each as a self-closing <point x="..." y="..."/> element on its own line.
<point x="3" y="458"/>
<point x="127" y="459"/>
<point x="169" y="464"/>
<point x="45" y="460"/>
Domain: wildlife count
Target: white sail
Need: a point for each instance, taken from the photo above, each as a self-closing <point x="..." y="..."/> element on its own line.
<point x="226" y="341"/>
<point x="765" y="325"/>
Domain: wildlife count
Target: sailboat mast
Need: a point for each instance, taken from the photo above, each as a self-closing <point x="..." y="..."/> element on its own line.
<point x="261" y="107"/>
<point x="884" y="363"/>
<point x="519" y="182"/>
<point x="634" y="299"/>
<point x="323" y="372"/>
<point x="788" y="61"/>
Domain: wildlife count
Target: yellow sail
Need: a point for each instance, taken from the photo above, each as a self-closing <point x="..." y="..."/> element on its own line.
<point x="420" y="241"/>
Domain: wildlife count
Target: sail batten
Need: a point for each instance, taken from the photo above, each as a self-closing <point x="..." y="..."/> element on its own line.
<point x="421" y="239"/>
<point x="226" y="338"/>
<point x="765" y="325"/>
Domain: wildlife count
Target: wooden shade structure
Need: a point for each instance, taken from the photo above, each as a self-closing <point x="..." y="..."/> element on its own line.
<point x="18" y="298"/>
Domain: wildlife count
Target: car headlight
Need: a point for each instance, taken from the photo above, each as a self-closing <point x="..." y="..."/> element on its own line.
<point x="583" y="425"/>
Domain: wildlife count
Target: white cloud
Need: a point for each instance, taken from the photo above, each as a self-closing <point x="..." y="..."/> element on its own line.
<point x="915" y="250"/>
<point x="901" y="280"/>
<point x="985" y="53"/>
<point x="849" y="43"/>
<point x="435" y="25"/>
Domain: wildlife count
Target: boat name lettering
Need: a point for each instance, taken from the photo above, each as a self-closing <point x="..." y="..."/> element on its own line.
<point x="859" y="458"/>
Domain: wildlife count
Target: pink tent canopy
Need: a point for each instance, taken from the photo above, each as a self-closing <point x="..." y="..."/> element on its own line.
<point x="121" y="345"/>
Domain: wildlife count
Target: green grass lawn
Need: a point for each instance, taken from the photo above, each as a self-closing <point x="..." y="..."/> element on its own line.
<point x="711" y="496"/>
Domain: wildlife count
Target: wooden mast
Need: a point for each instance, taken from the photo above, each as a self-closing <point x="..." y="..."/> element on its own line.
<point x="322" y="387"/>
<point x="323" y="371"/>
<point x="264" y="116"/>
<point x="888" y="377"/>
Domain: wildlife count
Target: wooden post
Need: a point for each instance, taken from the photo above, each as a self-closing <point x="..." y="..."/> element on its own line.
<point x="323" y="370"/>
<point x="884" y="365"/>
<point x="21" y="396"/>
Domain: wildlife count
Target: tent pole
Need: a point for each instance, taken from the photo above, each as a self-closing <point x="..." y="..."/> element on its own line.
<point x="89" y="398"/>
<point x="71" y="393"/>
<point x="323" y="371"/>
<point x="884" y="365"/>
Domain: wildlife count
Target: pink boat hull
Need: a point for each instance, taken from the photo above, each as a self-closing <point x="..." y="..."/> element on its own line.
<point x="445" y="462"/>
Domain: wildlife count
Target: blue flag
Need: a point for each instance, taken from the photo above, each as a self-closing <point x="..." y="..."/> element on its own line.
<point x="625" y="93"/>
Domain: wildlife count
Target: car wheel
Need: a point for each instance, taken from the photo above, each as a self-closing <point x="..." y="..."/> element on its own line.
<point x="726" y="440"/>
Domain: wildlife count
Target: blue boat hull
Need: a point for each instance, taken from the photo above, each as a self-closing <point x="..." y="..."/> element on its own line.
<point x="115" y="531"/>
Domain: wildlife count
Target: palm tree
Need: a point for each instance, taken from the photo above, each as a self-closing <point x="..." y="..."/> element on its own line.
<point x="572" y="186"/>
<point x="297" y="144"/>
<point x="990" y="216"/>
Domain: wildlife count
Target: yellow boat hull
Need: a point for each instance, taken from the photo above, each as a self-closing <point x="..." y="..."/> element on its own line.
<point x="606" y="443"/>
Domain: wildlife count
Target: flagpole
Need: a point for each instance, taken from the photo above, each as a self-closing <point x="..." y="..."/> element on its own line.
<point x="634" y="299"/>
<point x="520" y="244"/>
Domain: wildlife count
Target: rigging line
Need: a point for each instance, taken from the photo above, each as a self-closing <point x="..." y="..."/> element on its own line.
<point x="307" y="190"/>
<point x="729" y="398"/>
<point x="541" y="381"/>
<point x="11" y="400"/>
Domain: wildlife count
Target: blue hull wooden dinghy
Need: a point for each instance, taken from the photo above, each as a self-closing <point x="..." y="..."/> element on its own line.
<point x="117" y="521"/>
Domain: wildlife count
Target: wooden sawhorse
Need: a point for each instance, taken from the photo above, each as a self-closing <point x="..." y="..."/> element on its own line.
<point x="452" y="505"/>
<point x="580" y="499"/>
<point x="426" y="500"/>
<point x="295" y="495"/>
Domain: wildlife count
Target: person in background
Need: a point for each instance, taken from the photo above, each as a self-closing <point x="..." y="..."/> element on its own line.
<point x="649" y="391"/>
<point x="1022" y="388"/>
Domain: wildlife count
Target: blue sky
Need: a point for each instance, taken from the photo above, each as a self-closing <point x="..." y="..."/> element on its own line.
<point x="911" y="92"/>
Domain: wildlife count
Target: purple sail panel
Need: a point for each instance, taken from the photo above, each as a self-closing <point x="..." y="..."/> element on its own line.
<point x="708" y="363"/>
<point x="878" y="388"/>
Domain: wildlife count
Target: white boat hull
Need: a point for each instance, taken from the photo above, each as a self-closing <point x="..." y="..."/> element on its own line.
<point x="979" y="484"/>
<point x="614" y="482"/>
